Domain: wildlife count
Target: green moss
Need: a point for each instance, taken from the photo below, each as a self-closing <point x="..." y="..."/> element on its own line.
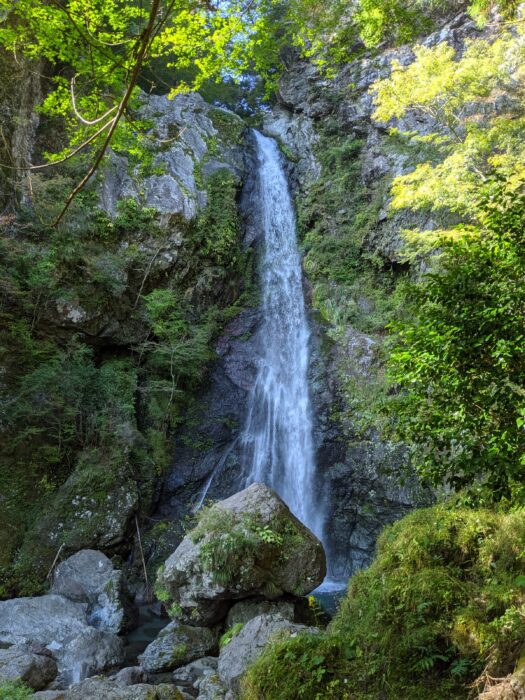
<point x="217" y="230"/>
<point x="335" y="217"/>
<point x="444" y="599"/>
<point x="234" y="549"/>
<point x="230" y="634"/>
<point x="179" y="652"/>
<point x="229" y="126"/>
<point x="15" y="691"/>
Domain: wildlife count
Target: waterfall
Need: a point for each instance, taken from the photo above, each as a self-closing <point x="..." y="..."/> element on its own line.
<point x="277" y="440"/>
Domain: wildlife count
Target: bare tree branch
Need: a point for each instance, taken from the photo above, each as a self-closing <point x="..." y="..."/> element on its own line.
<point x="77" y="113"/>
<point x="142" y="48"/>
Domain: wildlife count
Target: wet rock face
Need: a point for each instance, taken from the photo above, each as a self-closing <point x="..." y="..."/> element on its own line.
<point x="270" y="553"/>
<point x="358" y="473"/>
<point x="208" y="462"/>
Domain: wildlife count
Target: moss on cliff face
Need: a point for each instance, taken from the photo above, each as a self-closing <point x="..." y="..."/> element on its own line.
<point x="353" y="285"/>
<point x="108" y="325"/>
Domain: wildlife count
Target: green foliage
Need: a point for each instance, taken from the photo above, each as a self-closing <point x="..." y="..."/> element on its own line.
<point x="312" y="667"/>
<point x="459" y="358"/>
<point x="469" y="145"/>
<point x="333" y="219"/>
<point x="216" y="234"/>
<point x="441" y="601"/>
<point x="334" y="33"/>
<point x="174" y="610"/>
<point x="15" y="691"/>
<point x="106" y="46"/>
<point x="230" y="126"/>
<point x="234" y="549"/>
<point x="230" y="634"/>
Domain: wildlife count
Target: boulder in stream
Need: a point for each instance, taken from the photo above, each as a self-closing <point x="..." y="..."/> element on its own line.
<point x="246" y="546"/>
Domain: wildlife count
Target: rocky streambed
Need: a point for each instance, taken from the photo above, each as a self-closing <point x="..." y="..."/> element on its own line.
<point x="238" y="580"/>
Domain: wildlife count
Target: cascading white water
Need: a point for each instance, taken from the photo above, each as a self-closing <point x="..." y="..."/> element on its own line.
<point x="278" y="446"/>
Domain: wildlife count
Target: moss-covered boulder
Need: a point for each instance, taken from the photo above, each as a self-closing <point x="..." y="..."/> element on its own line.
<point x="91" y="510"/>
<point x="250" y="642"/>
<point x="248" y="545"/>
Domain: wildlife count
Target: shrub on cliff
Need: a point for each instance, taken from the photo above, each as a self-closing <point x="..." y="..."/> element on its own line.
<point x="444" y="600"/>
<point x="459" y="358"/>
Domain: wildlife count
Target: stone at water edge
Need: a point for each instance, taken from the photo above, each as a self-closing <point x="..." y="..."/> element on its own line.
<point x="250" y="642"/>
<point x="276" y="555"/>
<point x="131" y="675"/>
<point x="89" y="577"/>
<point x="177" y="645"/>
<point x="87" y="654"/>
<point x="35" y="668"/>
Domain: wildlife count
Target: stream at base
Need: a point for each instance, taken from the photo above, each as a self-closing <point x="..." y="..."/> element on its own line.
<point x="328" y="595"/>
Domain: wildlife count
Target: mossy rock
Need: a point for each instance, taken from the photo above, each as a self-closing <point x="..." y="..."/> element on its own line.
<point x="177" y="645"/>
<point x="91" y="510"/>
<point x="248" y="545"/>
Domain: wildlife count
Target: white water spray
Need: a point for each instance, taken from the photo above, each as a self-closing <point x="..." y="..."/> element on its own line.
<point x="277" y="439"/>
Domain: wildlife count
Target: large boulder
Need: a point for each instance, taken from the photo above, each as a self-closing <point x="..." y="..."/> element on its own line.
<point x="61" y="625"/>
<point x="176" y="645"/>
<point x="89" y="577"/>
<point x="250" y="642"/>
<point x="245" y="546"/>
<point x="47" y="619"/>
<point x="28" y="664"/>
